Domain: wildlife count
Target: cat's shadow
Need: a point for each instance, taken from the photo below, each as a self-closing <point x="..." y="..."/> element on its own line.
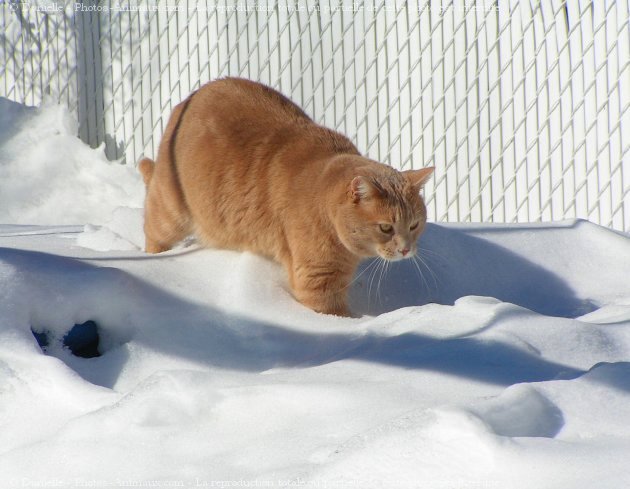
<point x="454" y="264"/>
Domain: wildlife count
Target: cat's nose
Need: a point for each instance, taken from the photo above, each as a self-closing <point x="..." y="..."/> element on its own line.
<point x="404" y="251"/>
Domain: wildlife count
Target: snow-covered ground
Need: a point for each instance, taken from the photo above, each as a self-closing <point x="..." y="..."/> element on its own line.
<point x="502" y="362"/>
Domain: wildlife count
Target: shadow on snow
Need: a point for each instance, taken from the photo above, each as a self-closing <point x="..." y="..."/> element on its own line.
<point x="455" y="264"/>
<point x="128" y="309"/>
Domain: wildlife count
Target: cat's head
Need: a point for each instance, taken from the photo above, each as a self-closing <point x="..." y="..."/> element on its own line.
<point x="383" y="213"/>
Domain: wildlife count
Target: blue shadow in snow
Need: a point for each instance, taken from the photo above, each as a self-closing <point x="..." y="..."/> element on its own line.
<point x="265" y="346"/>
<point x="456" y="265"/>
<point x="168" y="324"/>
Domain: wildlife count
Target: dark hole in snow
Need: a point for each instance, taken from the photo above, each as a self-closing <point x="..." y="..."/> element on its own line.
<point x="82" y="340"/>
<point x="42" y="339"/>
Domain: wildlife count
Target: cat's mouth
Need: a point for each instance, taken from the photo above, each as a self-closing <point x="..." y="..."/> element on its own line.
<point x="396" y="256"/>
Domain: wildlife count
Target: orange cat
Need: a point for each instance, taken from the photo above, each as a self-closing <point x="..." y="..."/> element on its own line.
<point x="244" y="168"/>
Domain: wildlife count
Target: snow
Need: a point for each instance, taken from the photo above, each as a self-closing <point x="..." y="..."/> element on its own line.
<point x="48" y="175"/>
<point x="505" y="364"/>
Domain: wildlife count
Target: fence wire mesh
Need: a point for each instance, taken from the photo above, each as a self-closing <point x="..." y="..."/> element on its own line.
<point x="522" y="105"/>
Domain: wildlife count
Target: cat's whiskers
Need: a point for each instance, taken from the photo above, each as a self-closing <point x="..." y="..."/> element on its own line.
<point x="432" y="252"/>
<point x="370" y="265"/>
<point x="382" y="270"/>
<point x="436" y="279"/>
<point x="384" y="274"/>
<point x="419" y="272"/>
<point x="371" y="278"/>
<point x="419" y="261"/>
<point x="380" y="266"/>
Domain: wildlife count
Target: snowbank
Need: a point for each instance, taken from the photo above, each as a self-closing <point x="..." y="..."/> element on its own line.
<point x="48" y="176"/>
<point x="503" y="361"/>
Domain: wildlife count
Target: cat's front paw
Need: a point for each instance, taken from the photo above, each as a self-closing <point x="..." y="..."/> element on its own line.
<point x="341" y="312"/>
<point x="326" y="305"/>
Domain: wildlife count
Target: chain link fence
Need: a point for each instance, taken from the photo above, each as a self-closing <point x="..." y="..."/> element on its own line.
<point x="522" y="105"/>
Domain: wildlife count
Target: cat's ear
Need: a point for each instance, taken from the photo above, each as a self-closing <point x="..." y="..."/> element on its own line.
<point x="361" y="188"/>
<point x="419" y="177"/>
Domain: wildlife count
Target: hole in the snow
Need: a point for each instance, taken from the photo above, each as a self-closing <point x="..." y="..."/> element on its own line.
<point x="82" y="340"/>
<point x="42" y="339"/>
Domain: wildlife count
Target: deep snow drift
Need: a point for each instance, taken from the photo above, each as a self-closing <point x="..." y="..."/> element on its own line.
<point x="504" y="361"/>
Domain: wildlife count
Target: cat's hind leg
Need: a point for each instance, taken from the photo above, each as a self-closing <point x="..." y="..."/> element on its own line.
<point x="166" y="217"/>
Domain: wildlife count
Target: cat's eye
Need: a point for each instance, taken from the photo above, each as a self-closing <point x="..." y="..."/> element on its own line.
<point x="414" y="226"/>
<point x="386" y="228"/>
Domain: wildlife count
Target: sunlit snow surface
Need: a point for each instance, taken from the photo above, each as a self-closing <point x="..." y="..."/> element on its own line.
<point x="503" y="361"/>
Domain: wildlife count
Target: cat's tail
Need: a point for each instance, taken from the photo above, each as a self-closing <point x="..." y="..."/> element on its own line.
<point x="146" y="167"/>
